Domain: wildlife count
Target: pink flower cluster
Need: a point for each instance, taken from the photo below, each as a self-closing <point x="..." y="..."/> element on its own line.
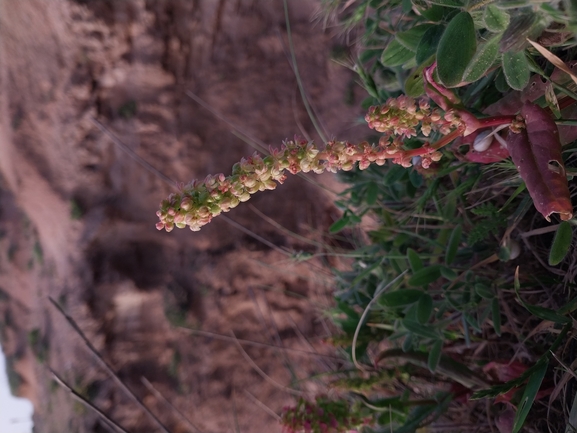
<point x="322" y="416"/>
<point x="199" y="201"/>
<point x="401" y="116"/>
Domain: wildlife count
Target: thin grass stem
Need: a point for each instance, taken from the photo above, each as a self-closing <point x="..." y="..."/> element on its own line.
<point x="364" y="315"/>
<point x="86" y="403"/>
<point x="261" y="405"/>
<point x="107" y="367"/>
<point x="221" y="337"/>
<point x="262" y="373"/>
<point x="162" y="398"/>
<point x="298" y="78"/>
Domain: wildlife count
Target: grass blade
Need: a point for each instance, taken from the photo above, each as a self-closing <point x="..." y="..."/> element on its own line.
<point x="529" y="395"/>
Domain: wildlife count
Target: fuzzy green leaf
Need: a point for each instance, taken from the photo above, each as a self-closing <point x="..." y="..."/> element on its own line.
<point x="496" y="20"/>
<point x="410" y="39"/>
<point x="395" y="54"/>
<point x="484" y="58"/>
<point x="561" y="243"/>
<point x="414" y="260"/>
<point x="420" y="330"/>
<point x="429" y="42"/>
<point x="415" y="84"/>
<point x="448" y="273"/>
<point x="400" y="298"/>
<point x="484" y="291"/>
<point x="339" y="224"/>
<point x="516" y="69"/>
<point x="456" y="49"/>
<point x="435" y="355"/>
<point x="425" y="276"/>
<point x="424" y="308"/>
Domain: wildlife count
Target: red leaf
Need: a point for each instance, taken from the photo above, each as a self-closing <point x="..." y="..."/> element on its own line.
<point x="494" y="153"/>
<point x="536" y="152"/>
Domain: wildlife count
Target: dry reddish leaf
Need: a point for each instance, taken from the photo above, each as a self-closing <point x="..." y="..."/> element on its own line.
<point x="494" y="153"/>
<point x="536" y="152"/>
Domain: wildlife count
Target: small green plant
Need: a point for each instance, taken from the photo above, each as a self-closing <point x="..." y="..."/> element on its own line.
<point x="38" y="252"/>
<point x="323" y="416"/>
<point x="76" y="211"/>
<point x="38" y="344"/>
<point x="128" y="110"/>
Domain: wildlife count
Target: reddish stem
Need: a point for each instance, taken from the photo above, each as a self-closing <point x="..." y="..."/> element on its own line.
<point x="488" y="122"/>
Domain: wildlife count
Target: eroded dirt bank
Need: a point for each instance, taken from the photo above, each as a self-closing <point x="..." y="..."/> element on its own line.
<point x="77" y="213"/>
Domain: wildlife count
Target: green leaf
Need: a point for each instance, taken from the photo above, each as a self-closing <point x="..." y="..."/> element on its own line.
<point x="367" y="55"/>
<point x="496" y="20"/>
<point x="501" y="83"/>
<point x="453" y="244"/>
<point x="395" y="54"/>
<point x="372" y="193"/>
<point x="414" y="260"/>
<point x="516" y="69"/>
<point x="424" y="308"/>
<point x="435" y="355"/>
<point x="448" y="273"/>
<point x="561" y="243"/>
<point x="529" y="395"/>
<point x="484" y="291"/>
<point x="425" y="276"/>
<point x="400" y="298"/>
<point x="420" y="330"/>
<point x="546" y="314"/>
<point x="435" y="13"/>
<point x="415" y="84"/>
<point x="408" y="343"/>
<point x="339" y="224"/>
<point x="430" y="41"/>
<point x="410" y="38"/>
<point x="472" y="320"/>
<point x="484" y="58"/>
<point x="456" y="49"/>
<point x="496" y="313"/>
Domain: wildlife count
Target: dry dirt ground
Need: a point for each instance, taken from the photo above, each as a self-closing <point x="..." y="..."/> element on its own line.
<point x="77" y="213"/>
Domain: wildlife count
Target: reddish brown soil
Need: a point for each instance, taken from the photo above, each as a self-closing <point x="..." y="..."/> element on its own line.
<point x="77" y="213"/>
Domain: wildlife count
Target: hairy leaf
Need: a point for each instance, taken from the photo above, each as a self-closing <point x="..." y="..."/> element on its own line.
<point x="456" y="49"/>
<point x="395" y="54"/>
<point x="516" y="69"/>
<point x="410" y="39"/>
<point x="495" y="19"/>
<point x="536" y="152"/>
<point x="484" y="58"/>
<point x="428" y="44"/>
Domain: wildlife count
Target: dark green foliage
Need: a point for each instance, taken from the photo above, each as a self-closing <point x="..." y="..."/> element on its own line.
<point x="490" y="223"/>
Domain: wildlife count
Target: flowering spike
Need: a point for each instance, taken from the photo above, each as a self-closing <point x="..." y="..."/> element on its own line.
<point x="198" y="202"/>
